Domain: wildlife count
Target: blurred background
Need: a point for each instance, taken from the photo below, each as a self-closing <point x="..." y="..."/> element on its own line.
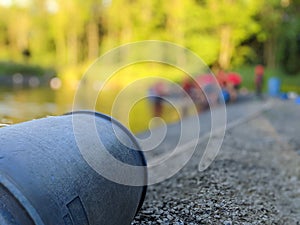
<point x="47" y="45"/>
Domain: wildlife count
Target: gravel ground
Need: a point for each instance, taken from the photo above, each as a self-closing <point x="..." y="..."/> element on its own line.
<point x="255" y="178"/>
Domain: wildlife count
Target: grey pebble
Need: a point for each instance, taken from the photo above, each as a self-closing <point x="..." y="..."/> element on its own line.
<point x="246" y="184"/>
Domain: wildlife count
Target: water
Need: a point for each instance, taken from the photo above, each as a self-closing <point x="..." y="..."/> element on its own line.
<point x="18" y="105"/>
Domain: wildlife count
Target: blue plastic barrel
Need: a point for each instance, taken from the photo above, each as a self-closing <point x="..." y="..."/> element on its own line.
<point x="274" y="86"/>
<point x="45" y="179"/>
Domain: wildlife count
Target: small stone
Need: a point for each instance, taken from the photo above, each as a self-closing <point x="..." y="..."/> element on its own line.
<point x="169" y="217"/>
<point x="227" y="222"/>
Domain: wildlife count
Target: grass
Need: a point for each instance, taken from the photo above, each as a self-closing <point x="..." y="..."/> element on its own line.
<point x="288" y="82"/>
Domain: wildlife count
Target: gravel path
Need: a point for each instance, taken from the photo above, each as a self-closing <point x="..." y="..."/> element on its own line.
<point x="255" y="178"/>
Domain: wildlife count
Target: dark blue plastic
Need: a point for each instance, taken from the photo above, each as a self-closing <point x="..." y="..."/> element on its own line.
<point x="284" y="96"/>
<point x="44" y="179"/>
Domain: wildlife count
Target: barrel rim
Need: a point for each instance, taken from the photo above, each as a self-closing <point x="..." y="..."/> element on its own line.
<point x="130" y="135"/>
<point x="9" y="184"/>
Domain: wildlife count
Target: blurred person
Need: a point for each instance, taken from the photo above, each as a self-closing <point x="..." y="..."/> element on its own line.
<point x="210" y="89"/>
<point x="232" y="92"/>
<point x="194" y="91"/>
<point x="221" y="78"/>
<point x="259" y="74"/>
<point x="234" y="81"/>
<point x="156" y="94"/>
<point x="187" y="86"/>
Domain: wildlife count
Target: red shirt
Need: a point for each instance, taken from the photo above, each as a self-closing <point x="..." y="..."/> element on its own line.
<point x="259" y="70"/>
<point x="234" y="78"/>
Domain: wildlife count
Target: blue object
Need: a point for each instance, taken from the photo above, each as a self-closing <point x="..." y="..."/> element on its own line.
<point x="274" y="86"/>
<point x="225" y="95"/>
<point x="44" y="179"/>
<point x="297" y="101"/>
<point x="284" y="96"/>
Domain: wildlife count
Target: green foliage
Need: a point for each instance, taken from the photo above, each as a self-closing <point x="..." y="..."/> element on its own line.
<point x="72" y="33"/>
<point x="9" y="68"/>
<point x="279" y="33"/>
<point x="288" y="83"/>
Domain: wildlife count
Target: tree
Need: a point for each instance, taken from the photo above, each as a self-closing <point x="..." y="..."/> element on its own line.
<point x="269" y="18"/>
<point x="67" y="33"/>
<point x="289" y="44"/>
<point x="232" y="21"/>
